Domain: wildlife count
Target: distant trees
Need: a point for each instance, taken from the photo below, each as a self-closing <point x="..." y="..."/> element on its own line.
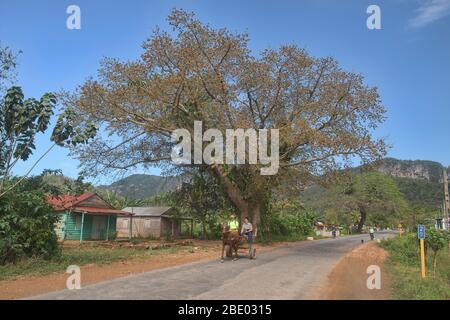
<point x="202" y="199"/>
<point x="373" y="196"/>
<point x="287" y="220"/>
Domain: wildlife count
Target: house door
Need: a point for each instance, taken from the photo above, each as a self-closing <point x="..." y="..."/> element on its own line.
<point x="98" y="225"/>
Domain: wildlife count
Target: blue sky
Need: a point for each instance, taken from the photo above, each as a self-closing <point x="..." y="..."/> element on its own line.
<point x="408" y="59"/>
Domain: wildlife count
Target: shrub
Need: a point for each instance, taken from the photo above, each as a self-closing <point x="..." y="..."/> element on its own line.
<point x="27" y="223"/>
<point x="406" y="248"/>
<point x="436" y="240"/>
<point x="287" y="220"/>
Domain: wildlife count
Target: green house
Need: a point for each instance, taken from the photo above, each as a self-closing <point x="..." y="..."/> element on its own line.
<point x="85" y="217"/>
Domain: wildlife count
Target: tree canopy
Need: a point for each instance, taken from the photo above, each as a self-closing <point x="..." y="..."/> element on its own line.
<point x="374" y="197"/>
<point x="22" y="119"/>
<point x="325" y="115"/>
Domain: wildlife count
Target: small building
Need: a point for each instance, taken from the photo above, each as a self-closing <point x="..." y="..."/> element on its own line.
<point x="85" y="217"/>
<point x="148" y="222"/>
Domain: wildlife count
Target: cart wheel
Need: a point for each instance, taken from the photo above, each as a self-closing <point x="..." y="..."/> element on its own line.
<point x="228" y="251"/>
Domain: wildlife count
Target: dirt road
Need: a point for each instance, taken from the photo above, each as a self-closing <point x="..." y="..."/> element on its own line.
<point x="297" y="271"/>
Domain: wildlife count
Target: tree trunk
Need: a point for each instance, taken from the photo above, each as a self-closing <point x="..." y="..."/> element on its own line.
<point x="434" y="263"/>
<point x="256" y="217"/>
<point x="251" y="206"/>
<point x="204" y="230"/>
<point x="232" y="192"/>
<point x="362" y="219"/>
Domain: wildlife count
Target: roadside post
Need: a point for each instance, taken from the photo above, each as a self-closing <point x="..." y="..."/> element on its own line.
<point x="421" y="236"/>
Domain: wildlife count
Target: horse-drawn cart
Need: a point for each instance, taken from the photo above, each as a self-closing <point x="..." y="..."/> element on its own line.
<point x="233" y="241"/>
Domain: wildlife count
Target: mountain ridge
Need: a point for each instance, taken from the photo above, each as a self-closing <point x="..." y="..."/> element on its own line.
<point x="138" y="186"/>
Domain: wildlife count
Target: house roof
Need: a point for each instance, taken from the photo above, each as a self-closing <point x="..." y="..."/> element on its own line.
<point x="75" y="204"/>
<point x="92" y="210"/>
<point x="148" y="211"/>
<point x="65" y="201"/>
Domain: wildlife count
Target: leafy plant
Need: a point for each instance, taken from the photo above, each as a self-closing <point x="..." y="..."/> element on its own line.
<point x="287" y="219"/>
<point x="27" y="223"/>
<point x="436" y="240"/>
<point x="21" y="120"/>
<point x="406" y="248"/>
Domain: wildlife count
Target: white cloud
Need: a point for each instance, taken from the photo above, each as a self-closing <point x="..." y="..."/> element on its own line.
<point x="430" y="11"/>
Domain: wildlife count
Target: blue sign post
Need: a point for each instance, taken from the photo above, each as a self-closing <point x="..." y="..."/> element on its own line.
<point x="421" y="231"/>
<point x="421" y="236"/>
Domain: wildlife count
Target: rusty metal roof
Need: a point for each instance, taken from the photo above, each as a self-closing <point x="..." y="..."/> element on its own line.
<point x="75" y="204"/>
<point x="148" y="211"/>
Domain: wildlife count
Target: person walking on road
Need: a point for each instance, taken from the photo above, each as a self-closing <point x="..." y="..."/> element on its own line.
<point x="372" y="233"/>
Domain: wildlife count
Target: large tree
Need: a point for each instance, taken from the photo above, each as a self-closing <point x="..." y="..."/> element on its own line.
<point x="201" y="198"/>
<point x="373" y="196"/>
<point x="325" y="115"/>
<point x="21" y="120"/>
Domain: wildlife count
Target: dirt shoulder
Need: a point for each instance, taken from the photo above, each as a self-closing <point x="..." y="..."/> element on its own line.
<point x="30" y="285"/>
<point x="348" y="279"/>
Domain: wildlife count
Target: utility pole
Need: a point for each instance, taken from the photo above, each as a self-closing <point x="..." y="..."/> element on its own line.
<point x="446" y="201"/>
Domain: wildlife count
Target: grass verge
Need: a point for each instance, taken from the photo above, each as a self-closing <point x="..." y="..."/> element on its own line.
<point x="403" y="266"/>
<point x="81" y="256"/>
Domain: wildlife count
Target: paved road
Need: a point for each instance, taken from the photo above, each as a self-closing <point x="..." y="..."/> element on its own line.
<point x="296" y="271"/>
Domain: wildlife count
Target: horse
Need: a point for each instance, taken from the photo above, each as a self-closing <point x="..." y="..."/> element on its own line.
<point x="231" y="239"/>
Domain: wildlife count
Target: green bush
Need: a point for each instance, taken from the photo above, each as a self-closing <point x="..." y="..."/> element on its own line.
<point x="405" y="248"/>
<point x="27" y="224"/>
<point x="287" y="221"/>
<point x="436" y="240"/>
<point x="403" y="266"/>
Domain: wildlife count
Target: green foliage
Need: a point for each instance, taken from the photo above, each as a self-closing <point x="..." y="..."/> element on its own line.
<point x="22" y="119"/>
<point x="143" y="186"/>
<point x="203" y="200"/>
<point x="378" y="192"/>
<point x="368" y="198"/>
<point x="420" y="192"/>
<point x="436" y="240"/>
<point x="8" y="64"/>
<point x="27" y="223"/>
<point x="69" y="131"/>
<point x="406" y="249"/>
<point x="81" y="256"/>
<point x="403" y="266"/>
<point x="118" y="201"/>
<point x="65" y="185"/>
<point x="287" y="219"/>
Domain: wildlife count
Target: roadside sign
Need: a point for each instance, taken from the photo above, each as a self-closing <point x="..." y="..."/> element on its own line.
<point x="421" y="236"/>
<point x="421" y="231"/>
